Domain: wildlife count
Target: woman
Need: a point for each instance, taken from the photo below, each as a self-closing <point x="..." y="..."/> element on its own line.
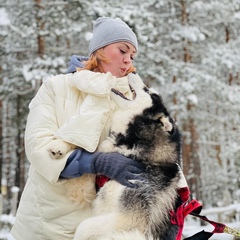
<point x="77" y="109"/>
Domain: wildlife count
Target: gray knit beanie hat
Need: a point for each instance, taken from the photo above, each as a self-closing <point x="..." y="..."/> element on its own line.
<point x="109" y="30"/>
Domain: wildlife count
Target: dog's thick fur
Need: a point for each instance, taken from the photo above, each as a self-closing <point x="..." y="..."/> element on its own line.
<point x="142" y="130"/>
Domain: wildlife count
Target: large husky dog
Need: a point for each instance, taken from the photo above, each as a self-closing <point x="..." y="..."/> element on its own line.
<point x="141" y="129"/>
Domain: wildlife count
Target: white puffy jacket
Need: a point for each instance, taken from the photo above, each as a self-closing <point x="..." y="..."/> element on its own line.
<point x="77" y="109"/>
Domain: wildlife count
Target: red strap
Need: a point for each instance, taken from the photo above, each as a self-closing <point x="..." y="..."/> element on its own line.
<point x="194" y="208"/>
<point x="218" y="227"/>
<point x="101" y="180"/>
<point x="184" y="193"/>
<point x="177" y="217"/>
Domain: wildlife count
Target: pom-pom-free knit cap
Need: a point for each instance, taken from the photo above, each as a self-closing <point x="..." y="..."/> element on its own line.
<point x="109" y="30"/>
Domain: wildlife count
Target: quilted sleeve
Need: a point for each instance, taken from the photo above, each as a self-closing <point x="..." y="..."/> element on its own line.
<point x="40" y="128"/>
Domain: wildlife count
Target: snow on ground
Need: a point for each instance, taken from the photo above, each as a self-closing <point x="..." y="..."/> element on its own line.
<point x="6" y="221"/>
<point x="6" y="236"/>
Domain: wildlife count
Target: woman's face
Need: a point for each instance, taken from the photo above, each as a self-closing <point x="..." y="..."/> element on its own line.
<point x="120" y="56"/>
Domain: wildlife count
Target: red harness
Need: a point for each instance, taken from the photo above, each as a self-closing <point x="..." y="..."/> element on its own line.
<point x="100" y="181"/>
<point x="193" y="207"/>
<point x="178" y="216"/>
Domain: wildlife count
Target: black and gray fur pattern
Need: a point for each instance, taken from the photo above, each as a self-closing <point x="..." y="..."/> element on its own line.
<point x="142" y="129"/>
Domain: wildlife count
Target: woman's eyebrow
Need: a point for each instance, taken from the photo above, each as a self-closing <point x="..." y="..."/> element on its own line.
<point x="128" y="47"/>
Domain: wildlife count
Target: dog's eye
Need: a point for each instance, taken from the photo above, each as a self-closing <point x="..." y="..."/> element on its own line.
<point x="156" y="121"/>
<point x="146" y="90"/>
<point x="167" y="124"/>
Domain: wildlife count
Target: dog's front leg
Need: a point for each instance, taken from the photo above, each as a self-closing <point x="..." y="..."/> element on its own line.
<point x="95" y="228"/>
<point x="108" y="227"/>
<point x="58" y="148"/>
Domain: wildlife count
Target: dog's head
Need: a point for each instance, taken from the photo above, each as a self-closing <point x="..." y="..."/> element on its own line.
<point x="144" y="124"/>
<point x="146" y="104"/>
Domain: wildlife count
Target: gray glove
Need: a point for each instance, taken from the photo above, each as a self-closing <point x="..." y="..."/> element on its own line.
<point x="76" y="62"/>
<point x="117" y="167"/>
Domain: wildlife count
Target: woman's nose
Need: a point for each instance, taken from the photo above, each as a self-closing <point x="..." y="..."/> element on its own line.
<point x="127" y="59"/>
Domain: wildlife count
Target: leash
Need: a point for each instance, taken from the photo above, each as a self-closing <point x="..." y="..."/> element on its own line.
<point x="178" y="216"/>
<point x="194" y="208"/>
<point x="218" y="227"/>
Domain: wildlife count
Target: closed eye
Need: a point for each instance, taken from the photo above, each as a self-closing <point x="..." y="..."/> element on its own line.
<point x="124" y="52"/>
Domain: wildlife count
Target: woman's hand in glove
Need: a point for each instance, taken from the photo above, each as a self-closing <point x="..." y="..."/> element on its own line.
<point x="117" y="167"/>
<point x="113" y="165"/>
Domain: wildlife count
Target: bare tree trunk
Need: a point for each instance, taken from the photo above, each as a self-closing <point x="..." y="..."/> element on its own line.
<point x="191" y="166"/>
<point x="230" y="78"/>
<point x="1" y="152"/>
<point x="14" y="191"/>
<point x="1" y="204"/>
<point x="186" y="43"/>
<point x="41" y="25"/>
<point x="20" y="167"/>
<point x="1" y="138"/>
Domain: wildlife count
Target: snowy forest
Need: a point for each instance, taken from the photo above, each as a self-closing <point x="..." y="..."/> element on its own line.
<point x="189" y="50"/>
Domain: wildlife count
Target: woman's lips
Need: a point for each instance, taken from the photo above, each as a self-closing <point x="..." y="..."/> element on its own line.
<point x="123" y="70"/>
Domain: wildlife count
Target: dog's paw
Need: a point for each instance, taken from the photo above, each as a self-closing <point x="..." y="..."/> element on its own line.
<point x="58" y="148"/>
<point x="167" y="125"/>
<point x="108" y="144"/>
